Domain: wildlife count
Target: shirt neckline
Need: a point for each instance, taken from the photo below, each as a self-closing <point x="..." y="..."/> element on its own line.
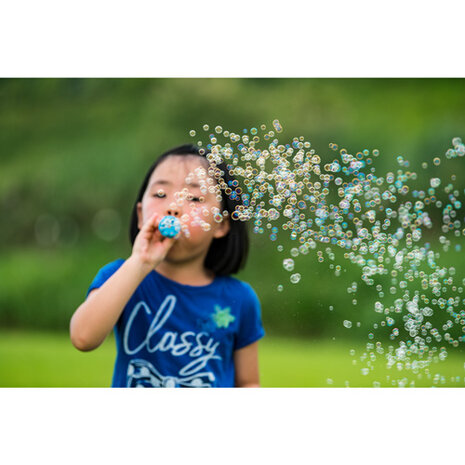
<point x="184" y="286"/>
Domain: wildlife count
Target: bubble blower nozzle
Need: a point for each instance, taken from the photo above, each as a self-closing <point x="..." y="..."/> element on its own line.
<point x="169" y="226"/>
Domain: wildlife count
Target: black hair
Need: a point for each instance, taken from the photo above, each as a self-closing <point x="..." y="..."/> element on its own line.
<point x="226" y="255"/>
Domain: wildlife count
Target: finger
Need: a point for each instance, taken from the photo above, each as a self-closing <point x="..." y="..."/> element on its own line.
<point x="151" y="224"/>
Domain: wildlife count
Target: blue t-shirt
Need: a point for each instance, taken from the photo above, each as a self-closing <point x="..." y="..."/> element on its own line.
<point x="171" y="334"/>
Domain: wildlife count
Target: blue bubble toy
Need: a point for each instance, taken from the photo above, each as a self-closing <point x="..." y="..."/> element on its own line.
<point x="169" y="226"/>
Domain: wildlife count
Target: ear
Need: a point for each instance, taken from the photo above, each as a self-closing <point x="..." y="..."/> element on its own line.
<point x="139" y="215"/>
<point x="222" y="229"/>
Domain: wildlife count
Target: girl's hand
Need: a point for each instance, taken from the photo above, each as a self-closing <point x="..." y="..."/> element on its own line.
<point x="150" y="247"/>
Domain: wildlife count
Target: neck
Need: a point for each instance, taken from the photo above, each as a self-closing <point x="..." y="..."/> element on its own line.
<point x="191" y="273"/>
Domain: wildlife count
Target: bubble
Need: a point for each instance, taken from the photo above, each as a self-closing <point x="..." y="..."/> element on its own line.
<point x="218" y="129"/>
<point x="192" y="133"/>
<point x="427" y="311"/>
<point x="295" y="278"/>
<point x="273" y="214"/>
<point x="217" y="217"/>
<point x="347" y="324"/>
<point x="435" y="182"/>
<point x="436" y="161"/>
<point x="288" y="264"/>
<point x="206" y="127"/>
<point x="277" y="126"/>
<point x="280" y="287"/>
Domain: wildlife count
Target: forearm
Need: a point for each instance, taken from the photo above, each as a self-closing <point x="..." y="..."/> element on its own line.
<point x="96" y="316"/>
<point x="248" y="385"/>
<point x="246" y="366"/>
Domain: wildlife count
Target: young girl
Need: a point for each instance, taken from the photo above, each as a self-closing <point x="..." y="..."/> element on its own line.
<point x="179" y="318"/>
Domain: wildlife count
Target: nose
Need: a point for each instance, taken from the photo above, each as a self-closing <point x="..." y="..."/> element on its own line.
<point x="173" y="210"/>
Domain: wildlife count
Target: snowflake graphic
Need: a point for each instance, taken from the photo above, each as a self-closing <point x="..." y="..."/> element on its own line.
<point x="223" y="317"/>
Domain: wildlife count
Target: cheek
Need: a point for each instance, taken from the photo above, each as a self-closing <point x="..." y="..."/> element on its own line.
<point x="152" y="205"/>
<point x="148" y="208"/>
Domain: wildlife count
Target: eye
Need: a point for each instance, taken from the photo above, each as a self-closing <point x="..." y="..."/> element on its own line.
<point x="199" y="199"/>
<point x="159" y="194"/>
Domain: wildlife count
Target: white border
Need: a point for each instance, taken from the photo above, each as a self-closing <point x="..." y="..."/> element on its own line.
<point x="230" y="426"/>
<point x="206" y="38"/>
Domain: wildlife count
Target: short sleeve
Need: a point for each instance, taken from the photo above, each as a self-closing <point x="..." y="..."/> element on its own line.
<point x="250" y="324"/>
<point x="103" y="274"/>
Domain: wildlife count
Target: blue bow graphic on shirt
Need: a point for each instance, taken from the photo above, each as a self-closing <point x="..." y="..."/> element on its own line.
<point x="143" y="374"/>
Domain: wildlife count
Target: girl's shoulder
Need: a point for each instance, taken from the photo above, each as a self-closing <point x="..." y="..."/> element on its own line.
<point x="111" y="267"/>
<point x="104" y="273"/>
<point x="238" y="287"/>
<point x="107" y="270"/>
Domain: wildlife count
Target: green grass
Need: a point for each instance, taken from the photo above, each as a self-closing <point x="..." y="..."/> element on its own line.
<point x="33" y="359"/>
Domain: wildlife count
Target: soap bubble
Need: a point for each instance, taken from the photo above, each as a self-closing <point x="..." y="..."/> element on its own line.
<point x="288" y="264"/>
<point x="277" y="126"/>
<point x="347" y="324"/>
<point x="294" y="252"/>
<point x="435" y="182"/>
<point x="295" y="278"/>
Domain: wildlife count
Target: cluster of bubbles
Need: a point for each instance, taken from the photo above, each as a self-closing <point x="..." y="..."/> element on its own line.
<point x="380" y="223"/>
<point x="198" y="214"/>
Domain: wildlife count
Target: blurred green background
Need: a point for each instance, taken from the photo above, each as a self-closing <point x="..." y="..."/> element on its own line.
<point x="73" y="154"/>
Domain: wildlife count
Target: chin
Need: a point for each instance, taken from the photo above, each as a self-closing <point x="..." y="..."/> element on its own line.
<point x="178" y="256"/>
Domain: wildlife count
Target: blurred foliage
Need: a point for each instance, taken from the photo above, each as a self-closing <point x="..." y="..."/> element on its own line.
<point x="74" y="148"/>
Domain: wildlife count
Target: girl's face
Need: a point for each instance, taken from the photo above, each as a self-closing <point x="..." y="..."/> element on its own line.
<point x="180" y="186"/>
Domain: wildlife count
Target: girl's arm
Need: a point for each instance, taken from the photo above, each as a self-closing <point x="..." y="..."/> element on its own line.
<point x="95" y="317"/>
<point x="246" y="366"/>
